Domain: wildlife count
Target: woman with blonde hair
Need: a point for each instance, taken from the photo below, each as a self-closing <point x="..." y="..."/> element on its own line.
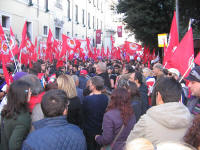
<point x="67" y="84"/>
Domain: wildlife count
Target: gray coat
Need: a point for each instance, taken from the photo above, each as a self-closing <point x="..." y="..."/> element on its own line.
<point x="165" y="122"/>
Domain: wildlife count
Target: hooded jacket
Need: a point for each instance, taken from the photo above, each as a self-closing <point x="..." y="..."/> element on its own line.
<point x="165" y="122"/>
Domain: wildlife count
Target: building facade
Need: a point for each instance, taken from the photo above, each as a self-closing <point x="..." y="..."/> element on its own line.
<point x="75" y="18"/>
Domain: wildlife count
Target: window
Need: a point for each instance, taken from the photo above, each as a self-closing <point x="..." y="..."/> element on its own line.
<point x="30" y="3"/>
<point x="45" y="30"/>
<point x="5" y="22"/>
<point x="68" y="9"/>
<point x="58" y="33"/>
<point x="46" y="6"/>
<point x="83" y="17"/>
<point x="76" y="9"/>
<point x="93" y="22"/>
<point x="29" y="30"/>
<point x="89" y="20"/>
<point x="58" y="4"/>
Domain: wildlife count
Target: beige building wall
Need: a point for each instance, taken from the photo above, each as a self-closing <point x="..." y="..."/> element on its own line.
<point x="19" y="11"/>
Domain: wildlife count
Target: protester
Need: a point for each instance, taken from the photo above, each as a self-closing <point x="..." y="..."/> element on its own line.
<point x="94" y="107"/>
<point x="83" y="79"/>
<point x="194" y="85"/>
<point x="118" y="120"/>
<point x="158" y="73"/>
<point x="138" y="79"/>
<point x="16" y="77"/>
<point x="16" y="120"/>
<point x="150" y="81"/>
<point x="173" y="72"/>
<point x="139" y="144"/>
<point x="101" y="70"/>
<point x="192" y="136"/>
<point x="78" y="90"/>
<point x="54" y="132"/>
<point x="169" y="120"/>
<point x="36" y="88"/>
<point x="75" y="115"/>
<point x="136" y="102"/>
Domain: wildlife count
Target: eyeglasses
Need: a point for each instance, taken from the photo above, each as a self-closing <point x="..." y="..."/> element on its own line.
<point x="170" y="74"/>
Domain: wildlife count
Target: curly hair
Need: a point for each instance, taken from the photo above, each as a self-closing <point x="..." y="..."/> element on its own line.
<point x="192" y="136"/>
<point x="120" y="99"/>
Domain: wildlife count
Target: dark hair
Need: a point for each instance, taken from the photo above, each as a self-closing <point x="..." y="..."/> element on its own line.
<point x="51" y="86"/>
<point x="170" y="89"/>
<point x="133" y="89"/>
<point x="192" y="136"/>
<point x="139" y="77"/>
<point x="35" y="69"/>
<point x="98" y="82"/>
<point x="54" y="102"/>
<point x="129" y="68"/>
<point x="120" y="99"/>
<point x="17" y="99"/>
<point x="34" y="82"/>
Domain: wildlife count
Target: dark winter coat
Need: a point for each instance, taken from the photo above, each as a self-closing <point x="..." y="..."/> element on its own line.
<point x="14" y="131"/>
<point x="94" y="107"/>
<point x="55" y="134"/>
<point x="75" y="115"/>
<point x="144" y="97"/>
<point x="136" y="103"/>
<point x="106" y="78"/>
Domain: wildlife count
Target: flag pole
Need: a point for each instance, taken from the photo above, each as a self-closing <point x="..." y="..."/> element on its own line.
<point x="11" y="53"/>
<point x="187" y="71"/>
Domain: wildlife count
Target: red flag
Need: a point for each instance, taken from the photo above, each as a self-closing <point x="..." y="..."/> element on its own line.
<point x="108" y="53"/>
<point x="119" y="31"/>
<point x="112" y="41"/>
<point x="131" y="48"/>
<point x="7" y="76"/>
<point x="13" y="43"/>
<point x="197" y="59"/>
<point x="24" y="54"/>
<point x="172" y="42"/>
<point x="98" y="36"/>
<point x="4" y="47"/>
<point x="183" y="56"/>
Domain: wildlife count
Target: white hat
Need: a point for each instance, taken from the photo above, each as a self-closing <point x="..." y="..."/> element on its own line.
<point x="175" y="71"/>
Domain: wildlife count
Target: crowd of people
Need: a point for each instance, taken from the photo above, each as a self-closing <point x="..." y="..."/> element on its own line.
<point x="99" y="105"/>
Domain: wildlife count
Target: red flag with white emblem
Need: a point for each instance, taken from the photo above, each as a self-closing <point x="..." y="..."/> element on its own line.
<point x="98" y="36"/>
<point x="119" y="31"/>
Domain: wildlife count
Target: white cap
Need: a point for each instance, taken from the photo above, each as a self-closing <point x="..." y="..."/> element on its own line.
<point x="175" y="71"/>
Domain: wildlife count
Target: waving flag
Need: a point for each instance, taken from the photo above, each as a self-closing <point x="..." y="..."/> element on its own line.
<point x="13" y="43"/>
<point x="183" y="56"/>
<point x="172" y="42"/>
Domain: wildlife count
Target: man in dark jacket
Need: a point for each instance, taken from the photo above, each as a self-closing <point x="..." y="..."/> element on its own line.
<point x="159" y="75"/>
<point x="54" y="132"/>
<point x="94" y="107"/>
<point x="194" y="85"/>
<point x="101" y="70"/>
<point x="137" y="78"/>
